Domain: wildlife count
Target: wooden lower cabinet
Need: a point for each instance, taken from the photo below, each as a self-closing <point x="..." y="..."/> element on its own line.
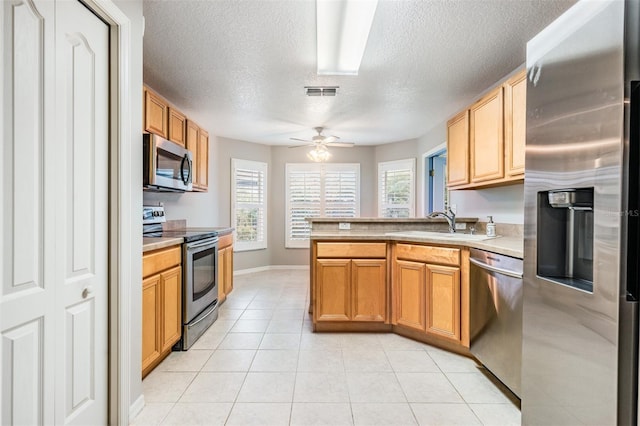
<point x="161" y="316"/>
<point x="418" y="290"/>
<point x="409" y="294"/>
<point x="368" y="290"/>
<point x="443" y="301"/>
<point x="333" y="290"/>
<point x="151" y="334"/>
<point x="225" y="267"/>
<point x="171" y="288"/>
<point x="161" y="306"/>
<point x="351" y="290"/>
<point x="427" y="298"/>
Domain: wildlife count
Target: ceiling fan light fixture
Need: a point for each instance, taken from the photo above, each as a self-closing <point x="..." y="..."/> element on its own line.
<point x="319" y="154"/>
<point x="342" y="28"/>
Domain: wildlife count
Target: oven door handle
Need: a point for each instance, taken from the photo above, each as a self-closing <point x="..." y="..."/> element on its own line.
<point x="495" y="269"/>
<point x="199" y="245"/>
<point x="213" y="308"/>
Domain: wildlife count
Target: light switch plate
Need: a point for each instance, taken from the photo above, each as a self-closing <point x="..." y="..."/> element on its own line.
<point x="344" y="225"/>
<point x="460" y="226"/>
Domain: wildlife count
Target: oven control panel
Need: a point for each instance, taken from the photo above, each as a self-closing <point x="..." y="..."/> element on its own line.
<point x="153" y="214"/>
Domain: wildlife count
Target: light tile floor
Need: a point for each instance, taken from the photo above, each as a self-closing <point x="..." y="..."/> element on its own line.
<point x="261" y="364"/>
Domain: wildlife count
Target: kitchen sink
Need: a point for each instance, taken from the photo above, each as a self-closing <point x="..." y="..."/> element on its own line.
<point x="440" y="235"/>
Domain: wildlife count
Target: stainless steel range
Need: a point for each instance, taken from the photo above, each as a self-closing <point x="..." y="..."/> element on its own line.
<point x="199" y="274"/>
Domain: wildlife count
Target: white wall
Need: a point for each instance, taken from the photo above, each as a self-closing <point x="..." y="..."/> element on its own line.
<point x="505" y="204"/>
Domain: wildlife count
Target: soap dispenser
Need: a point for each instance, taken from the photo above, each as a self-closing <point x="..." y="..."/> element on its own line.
<point x="491" y="227"/>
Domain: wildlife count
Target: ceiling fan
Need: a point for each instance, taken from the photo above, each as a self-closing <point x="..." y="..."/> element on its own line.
<point x="321" y="140"/>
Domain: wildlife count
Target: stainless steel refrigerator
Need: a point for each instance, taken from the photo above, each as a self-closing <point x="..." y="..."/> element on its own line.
<point x="582" y="232"/>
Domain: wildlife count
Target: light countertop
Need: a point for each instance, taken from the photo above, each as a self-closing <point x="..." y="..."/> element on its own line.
<point x="155" y="243"/>
<point x="508" y="246"/>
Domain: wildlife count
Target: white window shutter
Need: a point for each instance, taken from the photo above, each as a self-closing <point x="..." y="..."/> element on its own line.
<point x="396" y="193"/>
<point x="319" y="190"/>
<point x="249" y="204"/>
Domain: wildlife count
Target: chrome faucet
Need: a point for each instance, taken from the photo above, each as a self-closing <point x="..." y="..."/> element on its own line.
<point x="449" y="215"/>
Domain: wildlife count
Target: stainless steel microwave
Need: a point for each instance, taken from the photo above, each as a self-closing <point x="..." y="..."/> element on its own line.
<point x="167" y="165"/>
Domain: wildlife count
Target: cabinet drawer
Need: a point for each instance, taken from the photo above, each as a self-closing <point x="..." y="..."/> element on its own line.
<point x="157" y="261"/>
<point x="352" y="250"/>
<point x="225" y="241"/>
<point x="427" y="254"/>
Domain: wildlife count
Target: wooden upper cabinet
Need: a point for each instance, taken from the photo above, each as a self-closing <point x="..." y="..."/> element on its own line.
<point x="202" y="168"/>
<point x="177" y="126"/>
<point x="458" y="150"/>
<point x="197" y="141"/>
<point x="515" y="124"/>
<point x="486" y="139"/>
<point x="156" y="113"/>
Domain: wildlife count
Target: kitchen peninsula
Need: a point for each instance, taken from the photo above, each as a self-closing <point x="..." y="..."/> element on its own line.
<point x="409" y="276"/>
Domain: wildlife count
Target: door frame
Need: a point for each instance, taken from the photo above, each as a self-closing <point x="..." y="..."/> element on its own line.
<point x="120" y="208"/>
<point x="423" y="175"/>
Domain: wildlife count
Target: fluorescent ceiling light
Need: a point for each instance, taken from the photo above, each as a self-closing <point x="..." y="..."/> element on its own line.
<point x="342" y="28"/>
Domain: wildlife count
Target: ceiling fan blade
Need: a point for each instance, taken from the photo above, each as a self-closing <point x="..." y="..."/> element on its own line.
<point x="299" y="146"/>
<point x="328" y="139"/>
<point x="301" y="140"/>
<point x="341" y="144"/>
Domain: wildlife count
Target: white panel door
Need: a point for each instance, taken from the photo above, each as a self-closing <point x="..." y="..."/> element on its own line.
<point x="27" y="191"/>
<point x="53" y="220"/>
<point x="82" y="102"/>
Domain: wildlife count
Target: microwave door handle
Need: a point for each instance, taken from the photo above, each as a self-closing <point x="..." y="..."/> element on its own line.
<point x="185" y="159"/>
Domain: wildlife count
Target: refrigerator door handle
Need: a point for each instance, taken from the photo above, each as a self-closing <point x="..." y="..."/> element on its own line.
<point x="633" y="190"/>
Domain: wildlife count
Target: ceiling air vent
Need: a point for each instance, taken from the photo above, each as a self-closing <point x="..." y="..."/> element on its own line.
<point x="321" y="90"/>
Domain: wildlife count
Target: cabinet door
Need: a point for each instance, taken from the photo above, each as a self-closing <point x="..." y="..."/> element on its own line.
<point x="151" y="308"/>
<point x="458" y="150"/>
<point x="409" y="294"/>
<point x="192" y="145"/>
<point x="369" y="290"/>
<point x="486" y="139"/>
<point x="443" y="301"/>
<point x="333" y="298"/>
<point x="228" y="270"/>
<point x="171" y="307"/>
<point x="155" y="114"/>
<point x="202" y="164"/>
<point x="221" y="277"/>
<point x="177" y="126"/>
<point x="515" y="124"/>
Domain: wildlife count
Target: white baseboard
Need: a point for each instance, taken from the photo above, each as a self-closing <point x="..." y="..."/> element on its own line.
<point x="136" y="408"/>
<point x="270" y="268"/>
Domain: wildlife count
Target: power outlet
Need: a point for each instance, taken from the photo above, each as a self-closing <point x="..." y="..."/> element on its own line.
<point x="344" y="225"/>
<point x="461" y="226"/>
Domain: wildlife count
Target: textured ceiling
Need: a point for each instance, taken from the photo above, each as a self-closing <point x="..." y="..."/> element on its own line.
<point x="239" y="67"/>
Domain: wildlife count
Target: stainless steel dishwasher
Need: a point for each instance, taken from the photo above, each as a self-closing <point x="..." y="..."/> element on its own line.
<point x="495" y="320"/>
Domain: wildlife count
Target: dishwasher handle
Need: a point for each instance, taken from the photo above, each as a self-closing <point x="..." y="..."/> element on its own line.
<point x="495" y="269"/>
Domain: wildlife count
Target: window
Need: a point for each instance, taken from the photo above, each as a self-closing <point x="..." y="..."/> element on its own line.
<point x="319" y="190"/>
<point x="396" y="181"/>
<point x="249" y="204"/>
